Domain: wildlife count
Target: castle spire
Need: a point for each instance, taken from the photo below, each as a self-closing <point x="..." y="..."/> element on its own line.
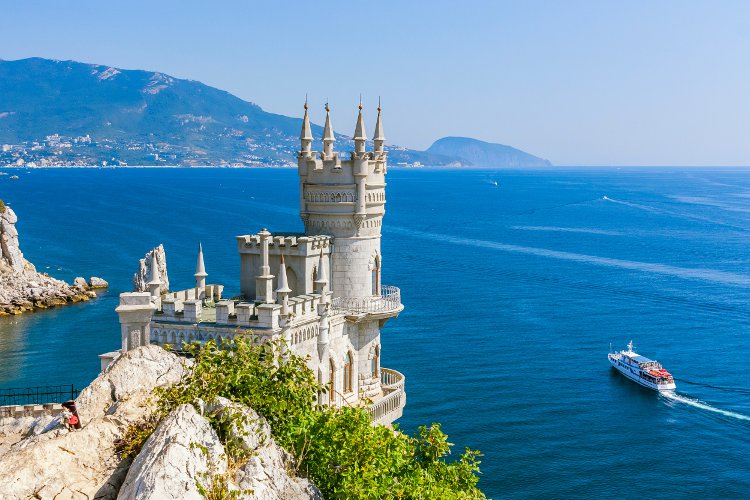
<point x="200" y="275"/>
<point x="321" y="280"/>
<point x="154" y="283"/>
<point x="200" y="267"/>
<point x="328" y="136"/>
<point x="379" y="138"/>
<point x="306" y="133"/>
<point x="283" y="281"/>
<point x="155" y="279"/>
<point x="360" y="137"/>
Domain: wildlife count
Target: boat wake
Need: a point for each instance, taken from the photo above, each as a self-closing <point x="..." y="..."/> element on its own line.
<point x="740" y="390"/>
<point x="704" y="406"/>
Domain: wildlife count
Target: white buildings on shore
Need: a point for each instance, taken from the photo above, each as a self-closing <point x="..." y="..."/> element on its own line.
<point x="320" y="291"/>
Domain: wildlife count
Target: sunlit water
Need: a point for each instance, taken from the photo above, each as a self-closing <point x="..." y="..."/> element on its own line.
<point x="513" y="293"/>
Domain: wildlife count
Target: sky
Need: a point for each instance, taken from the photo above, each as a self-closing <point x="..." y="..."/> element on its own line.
<point x="579" y="83"/>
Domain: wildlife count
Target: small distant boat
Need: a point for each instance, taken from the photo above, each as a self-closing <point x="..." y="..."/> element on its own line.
<point x="14" y="177"/>
<point x="647" y="372"/>
<point x="494" y="183"/>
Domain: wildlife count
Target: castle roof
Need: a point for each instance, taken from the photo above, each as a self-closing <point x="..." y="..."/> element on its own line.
<point x="200" y="268"/>
<point x="328" y="130"/>
<point x="359" y="132"/>
<point x="306" y="133"/>
<point x="379" y="136"/>
<point x="283" y="282"/>
<point x="154" y="280"/>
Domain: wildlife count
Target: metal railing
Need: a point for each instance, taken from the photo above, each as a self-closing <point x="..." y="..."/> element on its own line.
<point x="390" y="407"/>
<point x="389" y="300"/>
<point x="37" y="395"/>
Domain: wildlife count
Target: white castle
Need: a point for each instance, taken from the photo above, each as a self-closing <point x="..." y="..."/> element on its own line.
<point x="326" y="300"/>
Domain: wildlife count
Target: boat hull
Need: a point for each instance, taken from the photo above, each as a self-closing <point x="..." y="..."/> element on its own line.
<point x="634" y="376"/>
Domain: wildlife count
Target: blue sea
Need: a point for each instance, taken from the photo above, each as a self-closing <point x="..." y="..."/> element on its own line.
<point x="515" y="284"/>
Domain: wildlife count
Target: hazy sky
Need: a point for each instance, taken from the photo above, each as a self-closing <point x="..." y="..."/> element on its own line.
<point x="579" y="83"/>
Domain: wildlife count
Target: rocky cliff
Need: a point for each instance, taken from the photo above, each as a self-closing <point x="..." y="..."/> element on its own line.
<point x="143" y="276"/>
<point x="181" y="457"/>
<point x="22" y="288"/>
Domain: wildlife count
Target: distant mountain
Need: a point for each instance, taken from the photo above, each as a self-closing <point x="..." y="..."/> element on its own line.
<point x="71" y="113"/>
<point x="485" y="154"/>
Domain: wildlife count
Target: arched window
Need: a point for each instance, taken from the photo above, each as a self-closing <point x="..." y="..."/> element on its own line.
<point x="376" y="276"/>
<point x="332" y="388"/>
<point x="376" y="362"/>
<point x="348" y="369"/>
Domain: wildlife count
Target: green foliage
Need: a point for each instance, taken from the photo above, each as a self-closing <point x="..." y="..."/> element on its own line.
<point x="337" y="448"/>
<point x="2" y="206"/>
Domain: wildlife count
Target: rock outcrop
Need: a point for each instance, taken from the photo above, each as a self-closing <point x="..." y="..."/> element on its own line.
<point x="183" y="451"/>
<point x="265" y="472"/>
<point x="12" y="257"/>
<point x="83" y="464"/>
<point x="21" y="287"/>
<point x="143" y="276"/>
<point x="95" y="282"/>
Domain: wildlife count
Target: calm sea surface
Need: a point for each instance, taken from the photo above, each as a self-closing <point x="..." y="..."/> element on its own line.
<point x="513" y="294"/>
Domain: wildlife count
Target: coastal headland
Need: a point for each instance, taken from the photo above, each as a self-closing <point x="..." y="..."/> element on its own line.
<point x="22" y="288"/>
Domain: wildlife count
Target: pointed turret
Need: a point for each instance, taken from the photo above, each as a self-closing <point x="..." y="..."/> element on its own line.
<point x="283" y="286"/>
<point x="360" y="136"/>
<point x="154" y="283"/>
<point x="321" y="281"/>
<point x="154" y="279"/>
<point x="328" y="137"/>
<point x="283" y="290"/>
<point x="200" y="275"/>
<point x="200" y="267"/>
<point x="305" y="135"/>
<point x="379" y="138"/>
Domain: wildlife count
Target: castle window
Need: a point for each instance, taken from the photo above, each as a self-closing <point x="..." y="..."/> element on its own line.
<point x="348" y="372"/>
<point x="376" y="276"/>
<point x="376" y="362"/>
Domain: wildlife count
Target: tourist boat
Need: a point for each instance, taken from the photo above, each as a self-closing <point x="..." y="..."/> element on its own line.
<point x="647" y="372"/>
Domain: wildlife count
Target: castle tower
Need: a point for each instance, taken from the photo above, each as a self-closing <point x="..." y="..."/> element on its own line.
<point x="346" y="199"/>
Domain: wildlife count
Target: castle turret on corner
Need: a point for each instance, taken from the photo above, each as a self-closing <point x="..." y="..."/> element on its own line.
<point x="346" y="199"/>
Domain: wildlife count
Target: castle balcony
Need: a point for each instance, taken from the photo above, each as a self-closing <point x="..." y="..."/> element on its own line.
<point x="386" y="305"/>
<point x="390" y="407"/>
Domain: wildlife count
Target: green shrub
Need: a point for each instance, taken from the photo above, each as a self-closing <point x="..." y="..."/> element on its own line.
<point x="2" y="206"/>
<point x="337" y="448"/>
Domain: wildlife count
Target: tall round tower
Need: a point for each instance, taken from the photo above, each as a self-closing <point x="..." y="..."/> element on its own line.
<point x="345" y="198"/>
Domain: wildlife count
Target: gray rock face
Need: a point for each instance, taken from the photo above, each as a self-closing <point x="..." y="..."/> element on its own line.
<point x="80" y="283"/>
<point x="11" y="251"/>
<point x="143" y="275"/>
<point x="55" y="463"/>
<point x="171" y="460"/>
<point x="21" y="287"/>
<point x="95" y="282"/>
<point x="266" y="471"/>
<point x="83" y="464"/>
